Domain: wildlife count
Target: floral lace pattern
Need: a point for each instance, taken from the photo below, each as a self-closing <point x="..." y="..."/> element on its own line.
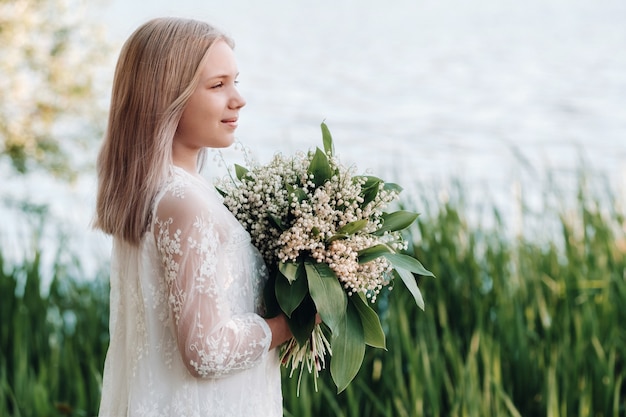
<point x="186" y="335"/>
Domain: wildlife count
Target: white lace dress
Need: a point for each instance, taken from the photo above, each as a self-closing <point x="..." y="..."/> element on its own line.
<point x="186" y="339"/>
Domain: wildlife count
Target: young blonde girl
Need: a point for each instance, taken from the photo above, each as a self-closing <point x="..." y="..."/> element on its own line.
<point x="187" y="333"/>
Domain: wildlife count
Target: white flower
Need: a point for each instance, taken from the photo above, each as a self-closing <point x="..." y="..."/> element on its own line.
<point x="311" y="216"/>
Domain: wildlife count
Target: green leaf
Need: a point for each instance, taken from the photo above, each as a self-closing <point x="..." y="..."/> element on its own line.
<point x="369" y="190"/>
<point x="409" y="280"/>
<point x="336" y="237"/>
<point x="299" y="193"/>
<point x="302" y="320"/>
<point x="371" y="182"/>
<point x="372" y="329"/>
<point x="395" y="221"/>
<point x="327" y="139"/>
<point x="240" y="171"/>
<point x="222" y="192"/>
<point x="320" y="168"/>
<point x="327" y="293"/>
<point x="353" y="227"/>
<point x="269" y="293"/>
<point x="390" y="186"/>
<point x="290" y="294"/>
<point x="292" y="270"/>
<point x="372" y="253"/>
<point x="407" y="262"/>
<point x="348" y="343"/>
<point x="276" y="221"/>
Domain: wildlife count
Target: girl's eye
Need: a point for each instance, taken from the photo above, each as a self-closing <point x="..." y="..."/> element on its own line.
<point x="221" y="84"/>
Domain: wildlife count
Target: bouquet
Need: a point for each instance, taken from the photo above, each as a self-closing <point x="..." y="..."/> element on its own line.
<point x="330" y="246"/>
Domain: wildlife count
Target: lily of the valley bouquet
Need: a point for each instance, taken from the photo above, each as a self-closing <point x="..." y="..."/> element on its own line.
<point x="331" y="246"/>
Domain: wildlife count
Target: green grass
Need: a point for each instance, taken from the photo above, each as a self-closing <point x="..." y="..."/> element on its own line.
<point x="533" y="325"/>
<point x="53" y="343"/>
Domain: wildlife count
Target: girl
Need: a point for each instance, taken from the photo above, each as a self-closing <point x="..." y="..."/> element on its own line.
<point x="186" y="283"/>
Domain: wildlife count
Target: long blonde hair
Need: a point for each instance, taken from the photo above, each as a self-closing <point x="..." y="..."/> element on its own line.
<point x="156" y="73"/>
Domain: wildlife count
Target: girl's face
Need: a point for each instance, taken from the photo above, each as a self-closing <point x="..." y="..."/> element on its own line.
<point x="210" y="117"/>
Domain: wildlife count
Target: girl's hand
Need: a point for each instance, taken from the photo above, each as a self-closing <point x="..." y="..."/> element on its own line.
<point x="280" y="330"/>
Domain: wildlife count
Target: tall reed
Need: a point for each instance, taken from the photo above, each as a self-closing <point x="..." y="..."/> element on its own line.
<point x="523" y="326"/>
<point x="526" y="325"/>
<point x="52" y="340"/>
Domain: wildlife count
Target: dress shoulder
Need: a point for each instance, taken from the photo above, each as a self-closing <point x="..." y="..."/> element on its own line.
<point x="184" y="195"/>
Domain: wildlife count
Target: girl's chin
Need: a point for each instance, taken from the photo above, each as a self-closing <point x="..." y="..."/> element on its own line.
<point x="223" y="142"/>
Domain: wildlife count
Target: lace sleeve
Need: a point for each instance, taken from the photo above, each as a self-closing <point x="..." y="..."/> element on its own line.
<point x="212" y="340"/>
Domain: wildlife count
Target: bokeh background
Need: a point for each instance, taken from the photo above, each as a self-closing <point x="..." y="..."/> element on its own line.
<point x="504" y="121"/>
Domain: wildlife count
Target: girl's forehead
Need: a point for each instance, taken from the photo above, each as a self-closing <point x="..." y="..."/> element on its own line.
<point x="220" y="61"/>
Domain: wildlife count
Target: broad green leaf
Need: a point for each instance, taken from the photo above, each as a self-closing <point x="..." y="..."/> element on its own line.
<point x="292" y="270"/>
<point x="348" y="342"/>
<point x="409" y="280"/>
<point x="290" y="294"/>
<point x="276" y="221"/>
<point x="302" y="320"/>
<point x="327" y="139"/>
<point x="336" y="237"/>
<point x="372" y="329"/>
<point x="353" y="227"/>
<point x="390" y="186"/>
<point x="327" y="293"/>
<point x="269" y="293"/>
<point x="397" y="220"/>
<point x="407" y="262"/>
<point x="371" y="181"/>
<point x="240" y="171"/>
<point x="299" y="193"/>
<point x="222" y="192"/>
<point x="369" y="190"/>
<point x="320" y="168"/>
<point x="372" y="253"/>
<point x="368" y="196"/>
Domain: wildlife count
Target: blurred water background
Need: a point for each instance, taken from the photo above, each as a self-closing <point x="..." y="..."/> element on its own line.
<point x="503" y="96"/>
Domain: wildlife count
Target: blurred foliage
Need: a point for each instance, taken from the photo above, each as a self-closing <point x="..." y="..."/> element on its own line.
<point x="49" y="57"/>
<point x="52" y="341"/>
<point x="525" y="326"/>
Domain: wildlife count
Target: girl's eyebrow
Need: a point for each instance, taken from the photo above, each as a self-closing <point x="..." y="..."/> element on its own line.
<point x="222" y="76"/>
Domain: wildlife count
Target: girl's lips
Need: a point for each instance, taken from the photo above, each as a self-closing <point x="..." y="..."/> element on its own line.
<point x="230" y="122"/>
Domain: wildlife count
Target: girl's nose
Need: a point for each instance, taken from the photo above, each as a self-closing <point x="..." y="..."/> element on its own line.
<point x="237" y="101"/>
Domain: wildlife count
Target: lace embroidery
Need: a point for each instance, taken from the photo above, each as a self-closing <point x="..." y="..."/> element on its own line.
<point x="217" y="338"/>
<point x="185" y="339"/>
